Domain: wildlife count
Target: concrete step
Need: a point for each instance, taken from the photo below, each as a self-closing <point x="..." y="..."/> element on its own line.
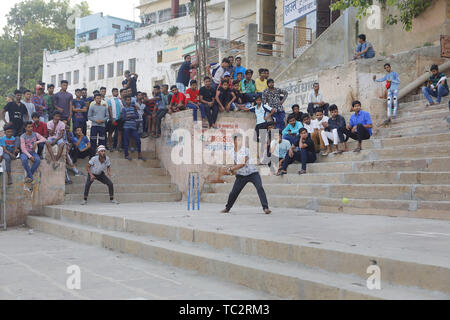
<point x="442" y="138"/>
<point x="412" y="131"/>
<point x="422" y="116"/>
<point x="133" y="171"/>
<point x="129" y="179"/>
<point x="394" y="165"/>
<point x="125" y="197"/>
<point x="435" y="122"/>
<point x="339" y="191"/>
<point x="123" y="188"/>
<point x="426" y="178"/>
<point x="120" y="155"/>
<point x="422" y="104"/>
<point x="401" y="152"/>
<point x="382" y="207"/>
<point x="285" y="280"/>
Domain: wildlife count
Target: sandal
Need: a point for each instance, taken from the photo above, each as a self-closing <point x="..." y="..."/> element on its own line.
<point x="302" y="172"/>
<point x="357" y="150"/>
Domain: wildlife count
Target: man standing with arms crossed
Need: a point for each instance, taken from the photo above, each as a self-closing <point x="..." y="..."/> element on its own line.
<point x="63" y="102"/>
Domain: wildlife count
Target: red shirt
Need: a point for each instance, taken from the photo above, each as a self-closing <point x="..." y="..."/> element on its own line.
<point x="179" y="98"/>
<point x="192" y="96"/>
<point x="41" y="128"/>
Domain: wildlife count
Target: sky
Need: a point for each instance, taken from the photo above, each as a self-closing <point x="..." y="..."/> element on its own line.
<point x="118" y="8"/>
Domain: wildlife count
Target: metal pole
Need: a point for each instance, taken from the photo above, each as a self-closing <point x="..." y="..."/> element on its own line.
<point x="189" y="192"/>
<point x="20" y="60"/>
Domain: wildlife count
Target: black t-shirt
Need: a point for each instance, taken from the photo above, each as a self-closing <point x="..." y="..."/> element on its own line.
<point x="310" y="143"/>
<point x="207" y="94"/>
<point x="239" y="96"/>
<point x="225" y="95"/>
<point x="16" y="114"/>
<point x="133" y="85"/>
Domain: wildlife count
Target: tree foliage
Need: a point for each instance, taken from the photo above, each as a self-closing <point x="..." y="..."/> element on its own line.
<point x="43" y="25"/>
<point x="408" y="9"/>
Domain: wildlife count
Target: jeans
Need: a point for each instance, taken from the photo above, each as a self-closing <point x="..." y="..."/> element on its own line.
<point x="304" y="156"/>
<point x="195" y="108"/>
<point x="127" y="133"/>
<point x="442" y="91"/>
<point x="361" y="133"/>
<point x="212" y="113"/>
<point x="41" y="148"/>
<point x="7" y="159"/>
<point x="101" y="132"/>
<point x="160" y="114"/>
<point x="103" y="179"/>
<point x="181" y="87"/>
<point x="392" y="103"/>
<point x="279" y="118"/>
<point x="240" y="183"/>
<point x="26" y="165"/>
<point x="77" y="154"/>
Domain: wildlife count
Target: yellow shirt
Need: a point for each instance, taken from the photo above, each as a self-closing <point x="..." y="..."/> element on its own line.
<point x="260" y="85"/>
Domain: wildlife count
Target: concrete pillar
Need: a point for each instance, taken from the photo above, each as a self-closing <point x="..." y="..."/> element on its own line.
<point x="227" y="26"/>
<point x="175" y="8"/>
<point x="288" y="47"/>
<point x="223" y="47"/>
<point x="346" y="43"/>
<point x="258" y="14"/>
<point x="251" y="45"/>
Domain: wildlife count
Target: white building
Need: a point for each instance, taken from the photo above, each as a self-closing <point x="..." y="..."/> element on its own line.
<point x="155" y="58"/>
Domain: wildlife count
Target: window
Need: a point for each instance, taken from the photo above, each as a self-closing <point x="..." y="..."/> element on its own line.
<point x="183" y="10"/>
<point x="120" y="68"/>
<point x="164" y="15"/>
<point x="117" y="27"/>
<point x="132" y="65"/>
<point x="69" y="77"/>
<point x="91" y="73"/>
<point x="159" y="57"/>
<point x="60" y="78"/>
<point x="93" y="35"/>
<point x="101" y="72"/>
<point x="149" y="18"/>
<point x="76" y="76"/>
<point x="53" y="81"/>
<point x="110" y="70"/>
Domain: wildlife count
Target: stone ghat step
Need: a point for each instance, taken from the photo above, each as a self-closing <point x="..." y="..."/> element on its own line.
<point x="401" y="152"/>
<point x="423" y="116"/>
<point x="131" y="170"/>
<point x="423" y="165"/>
<point x="116" y="163"/>
<point x="377" y="143"/>
<point x="130" y="179"/>
<point x="429" y="123"/>
<point x="290" y="281"/>
<point x="339" y="191"/>
<point x="401" y="267"/>
<point x="426" y="178"/>
<point x="97" y="187"/>
<point x="411" y="131"/>
<point x="381" y="207"/>
<point x="423" y="102"/>
<point x="120" y="155"/>
<point x="126" y="197"/>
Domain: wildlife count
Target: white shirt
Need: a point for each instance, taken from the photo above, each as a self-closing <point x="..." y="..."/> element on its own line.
<point x="239" y="158"/>
<point x="318" y="124"/>
<point x="309" y="127"/>
<point x="30" y="108"/>
<point x="218" y="76"/>
<point x="260" y="112"/>
<point x="284" y="147"/>
<point x="315" y="99"/>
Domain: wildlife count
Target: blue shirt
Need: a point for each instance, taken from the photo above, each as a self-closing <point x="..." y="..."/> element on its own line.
<point x="370" y="53"/>
<point x="130" y="116"/>
<point x="184" y="74"/>
<point x="237" y="70"/>
<point x="294" y="130"/>
<point x="79" y="116"/>
<point x="8" y="143"/>
<point x="83" y="144"/>
<point x="363" y="117"/>
<point x="393" y="78"/>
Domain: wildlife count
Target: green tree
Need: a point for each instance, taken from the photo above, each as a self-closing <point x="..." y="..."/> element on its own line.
<point x="43" y="25"/>
<point x="408" y="9"/>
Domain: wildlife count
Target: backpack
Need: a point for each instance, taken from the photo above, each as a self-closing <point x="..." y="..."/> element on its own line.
<point x="214" y="68"/>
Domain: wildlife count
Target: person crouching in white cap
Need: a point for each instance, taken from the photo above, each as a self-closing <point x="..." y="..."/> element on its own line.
<point x="96" y="171"/>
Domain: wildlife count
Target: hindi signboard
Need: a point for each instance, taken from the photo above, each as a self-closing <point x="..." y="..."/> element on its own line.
<point x="124" y="36"/>
<point x="297" y="9"/>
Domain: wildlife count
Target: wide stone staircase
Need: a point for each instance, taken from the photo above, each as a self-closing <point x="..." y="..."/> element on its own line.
<point x="134" y="181"/>
<point x="403" y="171"/>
